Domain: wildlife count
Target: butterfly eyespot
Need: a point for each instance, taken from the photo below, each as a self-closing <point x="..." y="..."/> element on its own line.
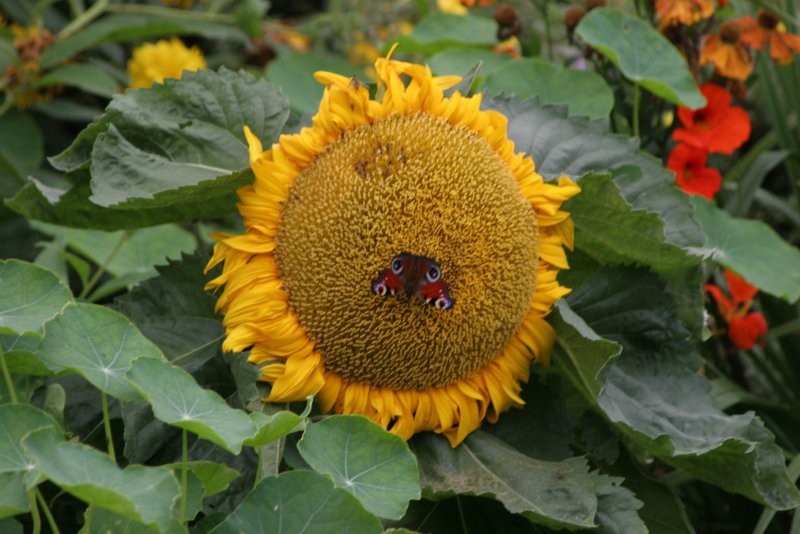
<point x="379" y="288"/>
<point x="433" y="274"/>
<point x="443" y="303"/>
<point x="397" y="266"/>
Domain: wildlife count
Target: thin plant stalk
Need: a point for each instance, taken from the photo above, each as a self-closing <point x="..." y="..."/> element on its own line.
<point x="637" y="97"/>
<point x="51" y="521"/>
<point x="36" y="520"/>
<point x="12" y="392"/>
<point x="102" y="268"/>
<point x="184" y="473"/>
<point x="107" y="426"/>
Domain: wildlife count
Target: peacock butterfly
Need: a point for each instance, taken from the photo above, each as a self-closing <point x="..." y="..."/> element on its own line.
<point x="414" y="275"/>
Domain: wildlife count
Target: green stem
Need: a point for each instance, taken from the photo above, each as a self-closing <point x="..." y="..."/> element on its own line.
<point x="786" y="328"/>
<point x="75" y="7"/>
<point x="137" y="9"/>
<point x="107" y="426"/>
<point x="36" y="527"/>
<point x="102" y="268"/>
<point x="461" y="516"/>
<point x="547" y="31"/>
<point x="85" y="18"/>
<point x="12" y="392"/>
<point x="51" y="521"/>
<point x="7" y="103"/>
<point x="184" y="473"/>
<point x="259" y="464"/>
<point x="637" y="97"/>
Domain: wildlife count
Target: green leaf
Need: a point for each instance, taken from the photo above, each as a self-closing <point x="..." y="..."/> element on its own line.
<point x="439" y="31"/>
<point x="144" y="494"/>
<point x="751" y="249"/>
<point x="299" y="501"/>
<point x="642" y="54"/>
<point x="294" y="74"/>
<point x="71" y="206"/>
<point x="128" y="27"/>
<point x="462" y="513"/>
<point x="175" y="313"/>
<point x="275" y="426"/>
<point x="29" y="296"/>
<point x="365" y="460"/>
<point x="216" y="477"/>
<point x="617" y="508"/>
<point x="571" y="146"/>
<point x="177" y="399"/>
<point x="585" y="93"/>
<point x="612" y="232"/>
<point x="555" y="494"/>
<point x="462" y="60"/>
<point x="21" y="149"/>
<point x="97" y="343"/>
<point x="580" y="355"/>
<point x="655" y="397"/>
<point x="89" y="78"/>
<point x="16" y="422"/>
<point x="103" y="521"/>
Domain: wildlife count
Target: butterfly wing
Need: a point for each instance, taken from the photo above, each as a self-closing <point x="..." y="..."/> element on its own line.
<point x="430" y="287"/>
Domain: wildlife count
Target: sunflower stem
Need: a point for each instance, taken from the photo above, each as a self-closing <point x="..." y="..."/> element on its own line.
<point x="107" y="426"/>
<point x="51" y="521"/>
<point x="637" y="97"/>
<point x="184" y="473"/>
<point x="102" y="267"/>
<point x="12" y="392"/>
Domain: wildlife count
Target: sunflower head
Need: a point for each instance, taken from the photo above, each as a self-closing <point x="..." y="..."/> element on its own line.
<point x="398" y="259"/>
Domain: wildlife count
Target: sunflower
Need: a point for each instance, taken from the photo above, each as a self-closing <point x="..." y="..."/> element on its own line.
<point x="415" y="176"/>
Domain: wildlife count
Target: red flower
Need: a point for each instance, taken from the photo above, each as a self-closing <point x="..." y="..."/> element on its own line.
<point x="744" y="328"/>
<point x="718" y="127"/>
<point x="689" y="165"/>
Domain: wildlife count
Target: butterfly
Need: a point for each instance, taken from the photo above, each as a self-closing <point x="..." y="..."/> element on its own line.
<point x="414" y="275"/>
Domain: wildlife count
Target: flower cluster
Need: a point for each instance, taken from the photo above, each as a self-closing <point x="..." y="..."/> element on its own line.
<point x="716" y="128"/>
<point x="153" y="62"/>
<point x="730" y="48"/>
<point x="744" y="326"/>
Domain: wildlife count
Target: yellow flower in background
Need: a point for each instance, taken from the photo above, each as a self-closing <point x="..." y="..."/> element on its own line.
<point x="154" y="62"/>
<point x="416" y="193"/>
<point x="451" y="6"/>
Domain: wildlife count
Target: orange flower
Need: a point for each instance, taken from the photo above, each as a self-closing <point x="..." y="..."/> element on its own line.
<point x="768" y="28"/>
<point x="727" y="53"/>
<point x="689" y="165"/>
<point x="686" y="12"/>
<point x="744" y="328"/>
<point x="718" y="127"/>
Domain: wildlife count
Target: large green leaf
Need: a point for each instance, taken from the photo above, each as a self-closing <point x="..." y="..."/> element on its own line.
<point x="145" y="494"/>
<point x="175" y="313"/>
<point x="375" y="466"/>
<point x="751" y="249"/>
<point x="299" y="501"/>
<point x="654" y="395"/>
<point x="294" y="74"/>
<point x="440" y="31"/>
<point x="179" y="400"/>
<point x="71" y="206"/>
<point x="17" y="421"/>
<point x="642" y="54"/>
<point x="556" y="494"/>
<point x="97" y="343"/>
<point x="571" y="146"/>
<point x="611" y="231"/>
<point x="585" y="93"/>
<point x="129" y="26"/>
<point x="176" y="134"/>
<point x="29" y="296"/>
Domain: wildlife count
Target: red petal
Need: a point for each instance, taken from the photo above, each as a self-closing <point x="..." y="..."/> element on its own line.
<point x="745" y="331"/>
<point x="739" y="288"/>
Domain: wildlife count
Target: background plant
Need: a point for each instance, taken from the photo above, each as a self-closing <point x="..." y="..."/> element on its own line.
<point x="119" y="410"/>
